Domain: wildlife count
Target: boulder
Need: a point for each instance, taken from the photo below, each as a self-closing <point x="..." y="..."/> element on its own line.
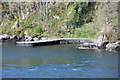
<point x="14" y="37"/>
<point x="111" y="46"/>
<point x="88" y="46"/>
<point x="99" y="40"/>
<point x="117" y="43"/>
<point x="4" y="37"/>
<point x="102" y="45"/>
<point x="117" y="48"/>
<point x="29" y="39"/>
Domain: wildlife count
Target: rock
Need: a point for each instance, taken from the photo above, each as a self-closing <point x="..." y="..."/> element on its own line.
<point x="93" y="45"/>
<point x="14" y="37"/>
<point x="26" y="39"/>
<point x="117" y="48"/>
<point x="86" y="44"/>
<point x="19" y="38"/>
<point x="117" y="43"/>
<point x="111" y="46"/>
<point x="102" y="45"/>
<point x="99" y="39"/>
<point x="35" y="39"/>
<point x="29" y="39"/>
<point x="4" y="37"/>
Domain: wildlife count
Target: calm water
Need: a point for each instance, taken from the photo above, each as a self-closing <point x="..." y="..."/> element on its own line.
<point x="57" y="61"/>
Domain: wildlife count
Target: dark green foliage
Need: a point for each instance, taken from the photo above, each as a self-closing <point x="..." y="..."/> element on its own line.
<point x="82" y="12"/>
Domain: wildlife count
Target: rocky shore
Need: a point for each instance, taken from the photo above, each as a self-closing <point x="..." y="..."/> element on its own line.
<point x="5" y="37"/>
<point x="84" y="43"/>
<point x="105" y="45"/>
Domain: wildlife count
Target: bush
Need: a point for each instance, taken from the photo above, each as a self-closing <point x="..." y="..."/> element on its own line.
<point x="38" y="31"/>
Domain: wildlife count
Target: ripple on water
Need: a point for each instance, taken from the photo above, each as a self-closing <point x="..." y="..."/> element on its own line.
<point x="10" y="65"/>
<point x="60" y="61"/>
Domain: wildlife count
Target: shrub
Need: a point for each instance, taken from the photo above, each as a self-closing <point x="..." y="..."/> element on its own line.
<point x="37" y="31"/>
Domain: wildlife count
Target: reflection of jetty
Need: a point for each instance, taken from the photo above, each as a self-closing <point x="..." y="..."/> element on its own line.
<point x="54" y="41"/>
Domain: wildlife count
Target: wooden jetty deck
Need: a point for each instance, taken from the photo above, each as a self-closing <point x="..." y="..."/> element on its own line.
<point x="53" y="42"/>
<point x="38" y="43"/>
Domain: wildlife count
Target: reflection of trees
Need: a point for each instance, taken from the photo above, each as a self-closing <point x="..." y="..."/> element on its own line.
<point x="44" y="61"/>
<point x="20" y="63"/>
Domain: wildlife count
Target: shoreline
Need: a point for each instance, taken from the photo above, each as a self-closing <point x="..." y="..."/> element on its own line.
<point x="85" y="43"/>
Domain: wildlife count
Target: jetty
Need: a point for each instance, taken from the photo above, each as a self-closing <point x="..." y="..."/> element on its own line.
<point x="38" y="43"/>
<point x="54" y="41"/>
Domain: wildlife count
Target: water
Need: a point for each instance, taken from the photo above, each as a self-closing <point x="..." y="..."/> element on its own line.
<point x="57" y="61"/>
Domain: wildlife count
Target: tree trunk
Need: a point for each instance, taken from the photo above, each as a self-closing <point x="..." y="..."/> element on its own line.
<point x="10" y="7"/>
<point x="46" y="9"/>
